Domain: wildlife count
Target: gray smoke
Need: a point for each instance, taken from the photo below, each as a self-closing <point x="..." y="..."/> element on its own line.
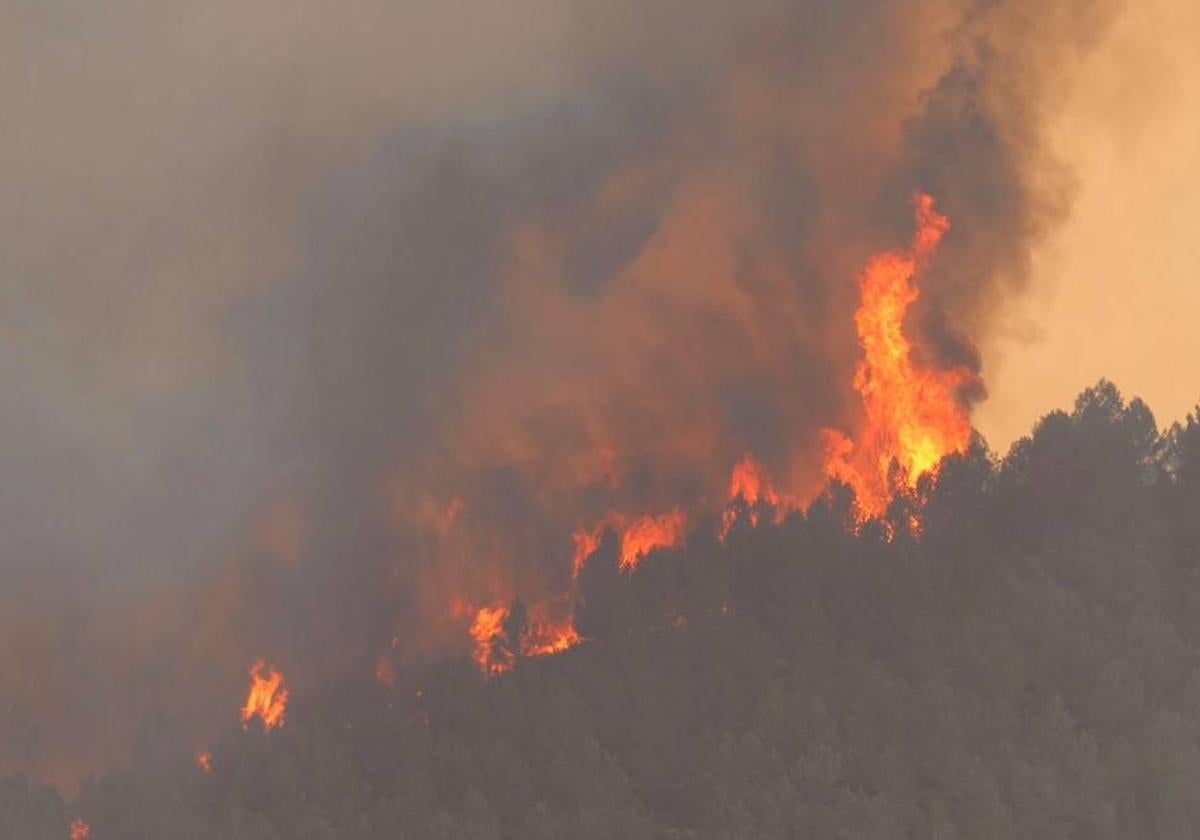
<point x="282" y="284"/>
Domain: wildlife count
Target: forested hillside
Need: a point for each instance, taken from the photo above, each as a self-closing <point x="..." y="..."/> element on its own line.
<point x="1013" y="654"/>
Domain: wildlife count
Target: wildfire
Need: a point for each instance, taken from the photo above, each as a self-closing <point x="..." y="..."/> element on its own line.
<point x="267" y="699"/>
<point x="586" y="542"/>
<point x="638" y="537"/>
<point x="80" y="830"/>
<point x="204" y="761"/>
<point x="913" y="416"/>
<point x="491" y="654"/>
<point x="546" y="638"/>
<point x="753" y="486"/>
<point x="647" y="533"/>
<point x="541" y="635"/>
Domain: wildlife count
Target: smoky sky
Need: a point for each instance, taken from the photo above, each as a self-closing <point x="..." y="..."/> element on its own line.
<point x="280" y="286"/>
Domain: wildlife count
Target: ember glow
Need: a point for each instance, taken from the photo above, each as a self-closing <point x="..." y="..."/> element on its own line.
<point x="267" y="699"/>
<point x="545" y="637"/>
<point x="80" y="830"/>
<point x="385" y="671"/>
<point x="913" y="416"/>
<point x="204" y="761"/>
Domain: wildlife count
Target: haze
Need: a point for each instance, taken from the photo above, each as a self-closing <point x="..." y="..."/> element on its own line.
<point x="1117" y="289"/>
<point x="322" y="329"/>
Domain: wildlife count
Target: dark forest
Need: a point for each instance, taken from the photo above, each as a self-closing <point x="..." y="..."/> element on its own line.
<point x="1023" y="663"/>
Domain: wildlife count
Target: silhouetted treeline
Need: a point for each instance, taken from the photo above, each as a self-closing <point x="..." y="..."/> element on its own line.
<point x="1028" y="666"/>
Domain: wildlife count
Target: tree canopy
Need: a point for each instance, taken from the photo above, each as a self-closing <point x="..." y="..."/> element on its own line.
<point x="1024" y="664"/>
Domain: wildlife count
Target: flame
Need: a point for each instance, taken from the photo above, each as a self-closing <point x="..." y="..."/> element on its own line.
<point x="913" y="415"/>
<point x="543" y="635"/>
<point x="647" y="533"/>
<point x="586" y="542"/>
<point x="267" y="699"/>
<point x="638" y="536"/>
<point x="80" y="830"/>
<point x="487" y="631"/>
<point x="915" y="527"/>
<point x="752" y="484"/>
<point x="204" y="761"/>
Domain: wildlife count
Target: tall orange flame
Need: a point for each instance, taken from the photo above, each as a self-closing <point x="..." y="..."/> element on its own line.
<point x="913" y="415"/>
<point x="638" y="536"/>
<point x="751" y="484"/>
<point x="268" y="698"/>
<point x="486" y="631"/>
<point x="646" y="533"/>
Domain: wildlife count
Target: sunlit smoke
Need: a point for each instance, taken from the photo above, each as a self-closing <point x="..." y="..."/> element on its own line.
<point x="499" y="343"/>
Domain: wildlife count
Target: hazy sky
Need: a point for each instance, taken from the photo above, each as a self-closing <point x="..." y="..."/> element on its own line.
<point x="1117" y="291"/>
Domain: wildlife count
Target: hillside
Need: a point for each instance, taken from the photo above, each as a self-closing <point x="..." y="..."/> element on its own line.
<point x="1027" y="666"/>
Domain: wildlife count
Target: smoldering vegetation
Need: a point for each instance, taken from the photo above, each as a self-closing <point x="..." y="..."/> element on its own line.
<point x="253" y="369"/>
<point x="1028" y="667"/>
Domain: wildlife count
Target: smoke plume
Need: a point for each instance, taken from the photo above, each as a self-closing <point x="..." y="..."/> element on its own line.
<point x="320" y="325"/>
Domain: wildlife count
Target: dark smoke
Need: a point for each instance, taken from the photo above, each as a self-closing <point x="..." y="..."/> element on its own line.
<point x="543" y="299"/>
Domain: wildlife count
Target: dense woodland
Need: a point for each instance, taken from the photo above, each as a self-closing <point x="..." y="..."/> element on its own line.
<point x="1027" y="666"/>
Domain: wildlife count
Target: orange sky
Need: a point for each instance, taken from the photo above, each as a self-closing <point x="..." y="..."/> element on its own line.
<point x="1117" y="290"/>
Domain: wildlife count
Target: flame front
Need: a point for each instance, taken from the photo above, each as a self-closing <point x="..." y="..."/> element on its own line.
<point x="268" y="698"/>
<point x="913" y="415"/>
<point x="638" y="537"/>
<point x="80" y="830"/>
<point x="542" y="635"/>
<point x="751" y="484"/>
<point x="647" y="533"/>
